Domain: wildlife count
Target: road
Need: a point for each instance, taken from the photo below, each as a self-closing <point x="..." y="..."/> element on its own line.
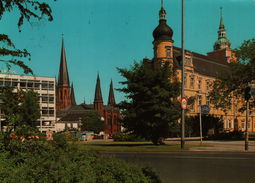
<point x="197" y="167"/>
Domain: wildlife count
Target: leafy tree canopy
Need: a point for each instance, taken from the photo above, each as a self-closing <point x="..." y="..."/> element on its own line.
<point x="151" y="107"/>
<point x="21" y="111"/>
<point x="27" y="9"/>
<point x="92" y="122"/>
<point x="231" y="84"/>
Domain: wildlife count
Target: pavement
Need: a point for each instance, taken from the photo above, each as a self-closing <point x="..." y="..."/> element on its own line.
<point x="218" y="146"/>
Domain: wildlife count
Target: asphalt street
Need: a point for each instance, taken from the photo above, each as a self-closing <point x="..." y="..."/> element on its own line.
<point x="197" y="167"/>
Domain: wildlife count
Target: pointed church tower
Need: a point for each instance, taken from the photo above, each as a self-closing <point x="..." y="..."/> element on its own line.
<point x="222" y="47"/>
<point x="163" y="43"/>
<point x="111" y="98"/>
<point x="73" y="102"/>
<point x="98" y="100"/>
<point x="63" y="87"/>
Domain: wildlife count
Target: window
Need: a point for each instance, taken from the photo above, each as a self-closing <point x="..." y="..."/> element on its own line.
<point x="168" y="52"/>
<point x="30" y="83"/>
<point x="185" y="80"/>
<point x="208" y="84"/>
<point x="243" y="123"/>
<point x="199" y="83"/>
<point x="192" y="81"/>
<point x="1" y="81"/>
<point x="45" y="98"/>
<point x="45" y="85"/>
<point x="199" y="100"/>
<point x="51" y="85"/>
<point x="207" y="100"/>
<point x="249" y="124"/>
<point x="229" y="123"/>
<point x="8" y="82"/>
<point x="37" y="85"/>
<point x="23" y="83"/>
<point x="14" y="82"/>
<point x="51" y="98"/>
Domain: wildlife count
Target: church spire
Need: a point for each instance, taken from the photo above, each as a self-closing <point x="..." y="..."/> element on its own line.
<point x="73" y="102"/>
<point x="98" y="100"/>
<point x="111" y="98"/>
<point x="222" y="41"/>
<point x="63" y="76"/>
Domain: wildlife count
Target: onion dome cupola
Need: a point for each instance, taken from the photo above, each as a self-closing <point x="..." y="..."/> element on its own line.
<point x="162" y="32"/>
<point x="222" y="41"/>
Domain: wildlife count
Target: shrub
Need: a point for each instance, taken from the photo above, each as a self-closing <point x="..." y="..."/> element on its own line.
<point x="35" y="160"/>
<point x="124" y="137"/>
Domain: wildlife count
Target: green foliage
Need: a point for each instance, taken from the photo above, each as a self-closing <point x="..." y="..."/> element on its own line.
<point x="39" y="161"/>
<point x="21" y="111"/>
<point x="92" y="122"/>
<point x="126" y="137"/>
<point x="208" y="122"/>
<point x="151" y="106"/>
<point x="232" y="83"/>
<point x="27" y="9"/>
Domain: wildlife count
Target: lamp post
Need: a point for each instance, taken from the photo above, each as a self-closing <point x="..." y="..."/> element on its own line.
<point x="182" y="88"/>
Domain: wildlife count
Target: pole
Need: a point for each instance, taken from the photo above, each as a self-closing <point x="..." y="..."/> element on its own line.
<point x="200" y="124"/>
<point x="246" y="144"/>
<point x="182" y="90"/>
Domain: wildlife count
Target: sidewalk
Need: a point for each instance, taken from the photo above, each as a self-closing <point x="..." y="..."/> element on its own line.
<point x="221" y="146"/>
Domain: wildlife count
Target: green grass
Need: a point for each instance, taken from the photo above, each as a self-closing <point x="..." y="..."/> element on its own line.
<point x="131" y="146"/>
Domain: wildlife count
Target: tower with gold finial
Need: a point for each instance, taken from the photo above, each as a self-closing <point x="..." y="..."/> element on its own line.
<point x="163" y="43"/>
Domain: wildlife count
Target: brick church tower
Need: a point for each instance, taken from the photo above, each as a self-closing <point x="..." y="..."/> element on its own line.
<point x="63" y="85"/>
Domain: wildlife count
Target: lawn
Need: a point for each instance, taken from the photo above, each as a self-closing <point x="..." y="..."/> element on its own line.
<point x="131" y="146"/>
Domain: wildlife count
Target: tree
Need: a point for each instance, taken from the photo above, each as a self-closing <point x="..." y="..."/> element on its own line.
<point x="92" y="122"/>
<point x="151" y="107"/>
<point x="27" y="9"/>
<point x="232" y="83"/>
<point x="21" y="111"/>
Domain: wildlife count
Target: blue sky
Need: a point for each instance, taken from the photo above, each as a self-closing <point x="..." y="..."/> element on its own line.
<point x="101" y="35"/>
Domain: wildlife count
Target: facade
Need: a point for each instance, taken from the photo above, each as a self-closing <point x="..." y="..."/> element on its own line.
<point x="200" y="72"/>
<point x="69" y="114"/>
<point x="45" y="87"/>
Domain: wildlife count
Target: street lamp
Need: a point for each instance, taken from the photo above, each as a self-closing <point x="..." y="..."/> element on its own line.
<point x="182" y="89"/>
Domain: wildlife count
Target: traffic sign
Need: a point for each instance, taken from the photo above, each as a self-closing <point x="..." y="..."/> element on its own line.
<point x="184" y="103"/>
<point x="205" y="109"/>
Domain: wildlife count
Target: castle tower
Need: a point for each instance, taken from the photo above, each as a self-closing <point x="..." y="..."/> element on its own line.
<point x="111" y="98"/>
<point x="163" y="43"/>
<point x="222" y="47"/>
<point x="63" y="87"/>
<point x="98" y="100"/>
<point x="222" y="41"/>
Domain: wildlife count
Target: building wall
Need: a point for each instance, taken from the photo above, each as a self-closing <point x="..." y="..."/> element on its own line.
<point x="45" y="87"/>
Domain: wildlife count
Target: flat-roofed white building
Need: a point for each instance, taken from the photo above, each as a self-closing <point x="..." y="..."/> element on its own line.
<point x="45" y="87"/>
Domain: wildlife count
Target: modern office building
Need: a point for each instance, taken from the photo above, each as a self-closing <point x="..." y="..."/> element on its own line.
<point x="45" y="87"/>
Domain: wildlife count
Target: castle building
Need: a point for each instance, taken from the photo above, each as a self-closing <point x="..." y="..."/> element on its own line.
<point x="200" y="71"/>
<point x="69" y="114"/>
